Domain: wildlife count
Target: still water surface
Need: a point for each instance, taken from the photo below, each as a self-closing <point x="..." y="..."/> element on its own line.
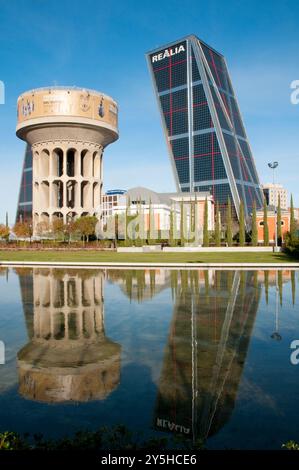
<point x="203" y="353"/>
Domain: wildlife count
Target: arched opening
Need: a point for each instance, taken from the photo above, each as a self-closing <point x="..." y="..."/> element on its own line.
<point x="58" y="194"/>
<point x="58" y="291"/>
<point x="57" y="162"/>
<point x="70" y="162"/>
<point x="86" y="294"/>
<point x="59" y="325"/>
<point x="45" y="218"/>
<point x="71" y="216"/>
<point x="72" y="296"/>
<point x="72" y="317"/>
<point x="57" y="216"/>
<point x="70" y="193"/>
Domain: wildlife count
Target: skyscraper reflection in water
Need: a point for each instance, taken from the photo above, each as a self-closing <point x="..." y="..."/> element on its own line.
<point x="68" y="357"/>
<point x="214" y="313"/>
<point x="185" y="335"/>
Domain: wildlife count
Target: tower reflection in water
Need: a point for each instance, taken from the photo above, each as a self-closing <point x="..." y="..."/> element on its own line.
<point x="213" y="317"/>
<point x="214" y="313"/>
<point x="68" y="357"/>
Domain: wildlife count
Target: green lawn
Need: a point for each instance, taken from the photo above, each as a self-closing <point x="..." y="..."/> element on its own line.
<point x="96" y="256"/>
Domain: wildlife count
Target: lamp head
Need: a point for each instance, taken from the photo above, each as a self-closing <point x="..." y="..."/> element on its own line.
<point x="273" y="165"/>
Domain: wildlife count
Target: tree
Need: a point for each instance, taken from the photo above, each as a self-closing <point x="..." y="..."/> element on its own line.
<point x="4" y="232"/>
<point x="172" y="241"/>
<point x="192" y="222"/>
<point x="266" y="283"/>
<point x="23" y="230"/>
<point x="86" y="225"/>
<point x="217" y="227"/>
<point x="241" y="225"/>
<point x="229" y="227"/>
<point x="116" y="229"/>
<point x="128" y="236"/>
<point x="42" y="228"/>
<point x="57" y="228"/>
<point x="151" y="224"/>
<point x="278" y="221"/>
<point x="254" y="237"/>
<point x="293" y="226"/>
<point x="280" y="285"/>
<point x="266" y="228"/>
<point x="182" y="224"/>
<point x="293" y="282"/>
<point x="205" y="225"/>
<point x="139" y="228"/>
<point x="70" y="229"/>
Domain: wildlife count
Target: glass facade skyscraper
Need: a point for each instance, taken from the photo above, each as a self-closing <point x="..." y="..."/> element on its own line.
<point x="206" y="138"/>
<point x="24" y="209"/>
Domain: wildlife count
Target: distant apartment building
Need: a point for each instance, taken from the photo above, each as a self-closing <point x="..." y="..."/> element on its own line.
<point x="272" y="193"/>
<point x="110" y="200"/>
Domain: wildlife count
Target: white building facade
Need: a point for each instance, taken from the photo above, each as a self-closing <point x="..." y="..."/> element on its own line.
<point x="272" y="193"/>
<point x="155" y="210"/>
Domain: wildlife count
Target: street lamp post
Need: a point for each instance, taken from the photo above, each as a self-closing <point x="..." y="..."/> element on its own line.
<point x="274" y="165"/>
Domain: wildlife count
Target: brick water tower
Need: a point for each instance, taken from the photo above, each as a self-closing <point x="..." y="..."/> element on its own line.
<point x="67" y="129"/>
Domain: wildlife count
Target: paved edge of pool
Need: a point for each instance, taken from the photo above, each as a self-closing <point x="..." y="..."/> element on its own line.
<point x="174" y="265"/>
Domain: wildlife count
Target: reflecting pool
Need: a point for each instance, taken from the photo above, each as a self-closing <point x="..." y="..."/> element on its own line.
<point x="205" y="354"/>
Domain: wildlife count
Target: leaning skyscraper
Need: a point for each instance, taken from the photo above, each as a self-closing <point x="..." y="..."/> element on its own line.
<point x="24" y="208"/>
<point x="206" y="138"/>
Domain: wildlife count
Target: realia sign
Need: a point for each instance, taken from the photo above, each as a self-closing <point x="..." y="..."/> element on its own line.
<point x="168" y="53"/>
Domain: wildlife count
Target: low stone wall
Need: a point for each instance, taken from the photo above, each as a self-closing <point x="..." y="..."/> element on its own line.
<point x="219" y="249"/>
<point x="197" y="249"/>
<point x="139" y="249"/>
<point x="130" y="249"/>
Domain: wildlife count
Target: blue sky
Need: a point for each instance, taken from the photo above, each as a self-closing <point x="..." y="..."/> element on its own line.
<point x="101" y="45"/>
